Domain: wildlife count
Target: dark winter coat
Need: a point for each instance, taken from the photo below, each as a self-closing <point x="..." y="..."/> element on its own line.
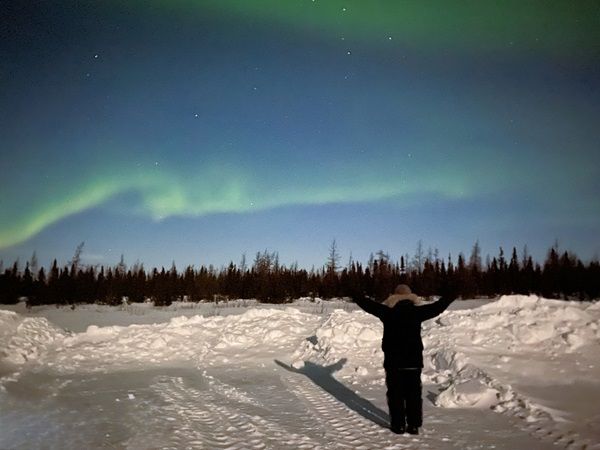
<point x="401" y="344"/>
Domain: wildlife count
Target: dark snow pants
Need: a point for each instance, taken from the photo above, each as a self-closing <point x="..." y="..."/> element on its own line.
<point x="404" y="397"/>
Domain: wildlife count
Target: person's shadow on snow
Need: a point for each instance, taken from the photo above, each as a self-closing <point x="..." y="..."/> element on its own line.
<point x="323" y="377"/>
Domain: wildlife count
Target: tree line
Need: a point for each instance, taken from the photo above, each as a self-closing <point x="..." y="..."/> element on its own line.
<point x="560" y="275"/>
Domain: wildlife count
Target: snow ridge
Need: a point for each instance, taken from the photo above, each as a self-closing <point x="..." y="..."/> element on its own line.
<point x="24" y="339"/>
<point x="196" y="338"/>
<point x="479" y="358"/>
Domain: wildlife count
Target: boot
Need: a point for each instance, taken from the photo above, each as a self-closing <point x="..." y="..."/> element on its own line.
<point x="412" y="429"/>
<point x="399" y="429"/>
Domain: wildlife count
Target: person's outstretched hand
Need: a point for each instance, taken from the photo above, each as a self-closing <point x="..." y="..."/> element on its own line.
<point x="355" y="293"/>
<point x="449" y="290"/>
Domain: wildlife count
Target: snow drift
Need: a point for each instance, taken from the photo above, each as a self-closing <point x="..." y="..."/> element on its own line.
<point x="25" y="338"/>
<point x="478" y="358"/>
<point x="203" y="340"/>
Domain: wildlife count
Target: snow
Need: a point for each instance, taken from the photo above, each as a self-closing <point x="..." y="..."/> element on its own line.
<point x="508" y="355"/>
<point x="203" y="340"/>
<point x="24" y="338"/>
<point x="518" y="371"/>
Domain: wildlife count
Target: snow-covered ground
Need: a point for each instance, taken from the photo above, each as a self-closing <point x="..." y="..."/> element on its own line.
<point x="519" y="372"/>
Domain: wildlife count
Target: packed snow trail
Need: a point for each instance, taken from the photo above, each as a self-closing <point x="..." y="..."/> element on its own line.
<point x="283" y="378"/>
<point x="174" y="408"/>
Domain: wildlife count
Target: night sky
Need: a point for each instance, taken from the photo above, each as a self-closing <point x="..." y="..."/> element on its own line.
<point x="196" y="131"/>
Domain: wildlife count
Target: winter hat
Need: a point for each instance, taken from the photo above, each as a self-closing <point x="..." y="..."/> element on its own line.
<point x="402" y="292"/>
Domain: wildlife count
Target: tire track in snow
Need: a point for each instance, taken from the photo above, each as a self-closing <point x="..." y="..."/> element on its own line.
<point x="193" y="425"/>
<point x="264" y="411"/>
<point x="208" y="419"/>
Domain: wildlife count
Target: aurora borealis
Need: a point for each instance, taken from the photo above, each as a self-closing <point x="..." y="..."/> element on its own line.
<point x="196" y="131"/>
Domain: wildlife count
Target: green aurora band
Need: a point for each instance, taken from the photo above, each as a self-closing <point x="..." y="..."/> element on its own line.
<point x="561" y="30"/>
<point x="161" y="193"/>
<point x="554" y="28"/>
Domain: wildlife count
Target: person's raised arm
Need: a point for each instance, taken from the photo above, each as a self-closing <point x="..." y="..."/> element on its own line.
<point x="449" y="293"/>
<point x="370" y="306"/>
<point x="432" y="310"/>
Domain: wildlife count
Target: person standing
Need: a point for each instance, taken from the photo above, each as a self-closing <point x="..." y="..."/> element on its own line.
<point x="403" y="351"/>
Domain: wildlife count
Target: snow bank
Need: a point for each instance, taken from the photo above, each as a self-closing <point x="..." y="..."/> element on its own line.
<point x="79" y="318"/>
<point x="354" y="336"/>
<point x="201" y="340"/>
<point x="474" y="355"/>
<point x="517" y="324"/>
<point x="490" y="356"/>
<point x="24" y="339"/>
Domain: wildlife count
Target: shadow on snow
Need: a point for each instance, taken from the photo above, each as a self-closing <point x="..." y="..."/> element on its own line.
<point x="323" y="377"/>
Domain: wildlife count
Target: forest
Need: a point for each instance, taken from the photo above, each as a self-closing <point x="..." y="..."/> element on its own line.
<point x="561" y="275"/>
